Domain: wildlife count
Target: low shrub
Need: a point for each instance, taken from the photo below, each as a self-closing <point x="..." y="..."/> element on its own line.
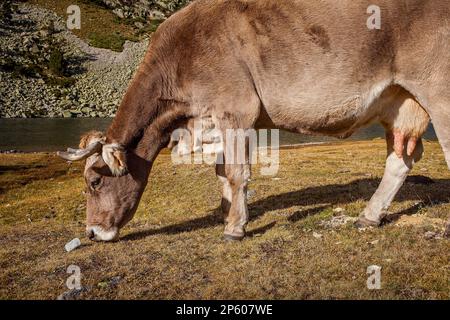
<point x="56" y="62"/>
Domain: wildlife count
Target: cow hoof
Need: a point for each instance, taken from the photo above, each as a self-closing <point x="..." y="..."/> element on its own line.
<point x="362" y="222"/>
<point x="233" y="238"/>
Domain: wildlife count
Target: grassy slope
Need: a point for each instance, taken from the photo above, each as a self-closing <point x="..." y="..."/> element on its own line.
<point x="173" y="248"/>
<point x="99" y="26"/>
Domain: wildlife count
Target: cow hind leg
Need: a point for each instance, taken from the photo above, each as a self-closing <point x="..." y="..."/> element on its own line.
<point x="442" y="127"/>
<point x="405" y="122"/>
<point x="395" y="174"/>
<point x="439" y="109"/>
<point x="227" y="192"/>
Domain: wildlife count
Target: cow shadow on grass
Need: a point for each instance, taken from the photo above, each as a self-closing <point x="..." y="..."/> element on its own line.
<point x="426" y="192"/>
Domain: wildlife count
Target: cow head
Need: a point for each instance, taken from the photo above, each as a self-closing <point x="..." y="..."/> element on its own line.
<point x="115" y="180"/>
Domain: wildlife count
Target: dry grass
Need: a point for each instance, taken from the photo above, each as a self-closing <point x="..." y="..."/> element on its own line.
<point x="174" y="249"/>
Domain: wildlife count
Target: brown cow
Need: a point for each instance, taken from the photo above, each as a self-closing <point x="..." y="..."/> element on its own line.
<point x="305" y="66"/>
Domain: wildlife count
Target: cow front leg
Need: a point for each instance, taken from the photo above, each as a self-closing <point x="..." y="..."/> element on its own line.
<point x="236" y="210"/>
<point x="396" y="172"/>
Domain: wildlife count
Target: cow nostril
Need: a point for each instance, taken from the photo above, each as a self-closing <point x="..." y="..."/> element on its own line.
<point x="90" y="234"/>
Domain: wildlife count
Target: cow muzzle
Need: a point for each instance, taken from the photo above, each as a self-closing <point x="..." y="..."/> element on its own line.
<point x="97" y="233"/>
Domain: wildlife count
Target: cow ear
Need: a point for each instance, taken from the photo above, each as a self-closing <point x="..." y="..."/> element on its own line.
<point x="114" y="156"/>
<point x="90" y="137"/>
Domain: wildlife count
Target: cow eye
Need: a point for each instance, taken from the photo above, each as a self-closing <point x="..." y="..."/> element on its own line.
<point x="95" y="183"/>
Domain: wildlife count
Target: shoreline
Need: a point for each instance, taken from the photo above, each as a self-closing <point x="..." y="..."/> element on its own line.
<point x="281" y="147"/>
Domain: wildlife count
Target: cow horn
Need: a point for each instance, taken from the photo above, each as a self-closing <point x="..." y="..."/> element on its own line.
<point x="81" y="154"/>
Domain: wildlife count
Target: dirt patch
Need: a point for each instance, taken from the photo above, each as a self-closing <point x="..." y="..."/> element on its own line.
<point x="418" y="220"/>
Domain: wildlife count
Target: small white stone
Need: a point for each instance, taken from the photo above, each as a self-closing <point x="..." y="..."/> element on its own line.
<point x="251" y="194"/>
<point x="430" y="235"/>
<point x="72" y="245"/>
<point x="338" y="210"/>
<point x="317" y="235"/>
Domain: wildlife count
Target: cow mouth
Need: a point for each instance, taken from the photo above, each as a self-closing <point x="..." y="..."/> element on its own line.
<point x="98" y="233"/>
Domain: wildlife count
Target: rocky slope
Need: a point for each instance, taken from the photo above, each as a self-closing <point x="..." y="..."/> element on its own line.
<point x="46" y="71"/>
<point x="144" y="9"/>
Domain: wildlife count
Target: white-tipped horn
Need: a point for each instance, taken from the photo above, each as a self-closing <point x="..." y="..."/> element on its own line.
<point x="81" y="154"/>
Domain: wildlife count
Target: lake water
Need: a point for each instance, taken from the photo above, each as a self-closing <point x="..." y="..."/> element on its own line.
<point x="58" y="134"/>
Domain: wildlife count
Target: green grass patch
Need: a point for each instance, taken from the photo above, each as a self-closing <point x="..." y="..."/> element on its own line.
<point x="113" y="41"/>
<point x="99" y="25"/>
